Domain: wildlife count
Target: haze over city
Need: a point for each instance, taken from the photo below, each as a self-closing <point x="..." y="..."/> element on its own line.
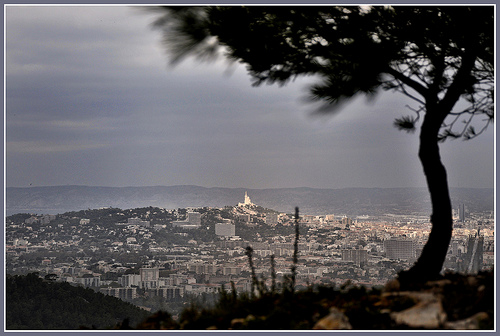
<point x="91" y="100"/>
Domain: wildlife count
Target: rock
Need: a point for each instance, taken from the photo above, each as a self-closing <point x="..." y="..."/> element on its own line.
<point x="237" y="323"/>
<point x="438" y="284"/>
<point x="472" y="281"/>
<point x="471" y="323"/>
<point x="427" y="313"/>
<point x="336" y="320"/>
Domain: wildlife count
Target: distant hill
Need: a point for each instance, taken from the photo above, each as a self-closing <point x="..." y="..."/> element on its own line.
<point x="350" y="201"/>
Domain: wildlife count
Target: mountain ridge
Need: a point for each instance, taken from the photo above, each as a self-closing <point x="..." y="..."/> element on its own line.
<point x="350" y="201"/>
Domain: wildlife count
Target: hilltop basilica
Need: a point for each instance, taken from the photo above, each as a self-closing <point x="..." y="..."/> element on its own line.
<point x="247" y="202"/>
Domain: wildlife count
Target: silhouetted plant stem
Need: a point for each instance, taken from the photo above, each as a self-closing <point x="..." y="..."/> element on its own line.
<point x="234" y="293"/>
<point x="223" y="296"/>
<point x="262" y="286"/>
<point x="273" y="275"/>
<point x="255" y="282"/>
<point x="295" y="250"/>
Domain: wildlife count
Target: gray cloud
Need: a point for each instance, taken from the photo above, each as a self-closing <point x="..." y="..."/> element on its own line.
<point x="91" y="100"/>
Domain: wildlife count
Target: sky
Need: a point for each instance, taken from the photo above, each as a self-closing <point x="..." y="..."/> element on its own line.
<point x="92" y="100"/>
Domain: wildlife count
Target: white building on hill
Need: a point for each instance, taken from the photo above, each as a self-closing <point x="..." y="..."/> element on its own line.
<point x="247" y="201"/>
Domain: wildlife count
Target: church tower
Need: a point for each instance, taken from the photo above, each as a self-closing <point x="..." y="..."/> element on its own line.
<point x="247" y="199"/>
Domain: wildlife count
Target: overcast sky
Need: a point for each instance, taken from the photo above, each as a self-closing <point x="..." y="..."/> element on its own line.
<point x="91" y="100"/>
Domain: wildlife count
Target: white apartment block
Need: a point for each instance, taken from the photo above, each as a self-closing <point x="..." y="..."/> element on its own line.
<point x="357" y="256"/>
<point x="129" y="280"/>
<point x="224" y="229"/>
<point x="121" y="293"/>
<point x="400" y="248"/>
<point x="149" y="277"/>
<point x="89" y="281"/>
<point x="202" y="268"/>
<point x="231" y="270"/>
<point x="168" y="292"/>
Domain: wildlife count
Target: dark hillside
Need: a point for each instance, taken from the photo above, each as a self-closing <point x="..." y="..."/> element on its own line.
<point x="36" y="304"/>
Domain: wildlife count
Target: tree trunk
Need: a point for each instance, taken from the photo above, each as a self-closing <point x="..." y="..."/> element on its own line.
<point x="430" y="262"/>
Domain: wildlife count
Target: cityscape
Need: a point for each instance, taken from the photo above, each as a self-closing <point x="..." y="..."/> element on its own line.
<point x="140" y="178"/>
<point x="160" y="258"/>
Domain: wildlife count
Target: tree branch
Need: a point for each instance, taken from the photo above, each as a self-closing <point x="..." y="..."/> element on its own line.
<point x="408" y="81"/>
<point x="460" y="81"/>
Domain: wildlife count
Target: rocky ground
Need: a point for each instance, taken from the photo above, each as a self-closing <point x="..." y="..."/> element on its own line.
<point x="453" y="302"/>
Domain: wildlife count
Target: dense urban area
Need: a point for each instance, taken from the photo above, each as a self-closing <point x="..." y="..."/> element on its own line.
<point x="164" y="259"/>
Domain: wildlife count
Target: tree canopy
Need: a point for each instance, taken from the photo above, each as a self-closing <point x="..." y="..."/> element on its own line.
<point x="419" y="51"/>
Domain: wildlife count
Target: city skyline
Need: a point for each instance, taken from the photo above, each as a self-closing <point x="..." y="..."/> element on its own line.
<point x="141" y="255"/>
<point x="92" y="101"/>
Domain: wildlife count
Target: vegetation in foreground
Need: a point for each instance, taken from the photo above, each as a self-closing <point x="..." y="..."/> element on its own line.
<point x="33" y="303"/>
<point x="36" y="304"/>
<point x="461" y="297"/>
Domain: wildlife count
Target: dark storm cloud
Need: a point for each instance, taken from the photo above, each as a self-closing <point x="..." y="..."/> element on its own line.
<point x="90" y="100"/>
